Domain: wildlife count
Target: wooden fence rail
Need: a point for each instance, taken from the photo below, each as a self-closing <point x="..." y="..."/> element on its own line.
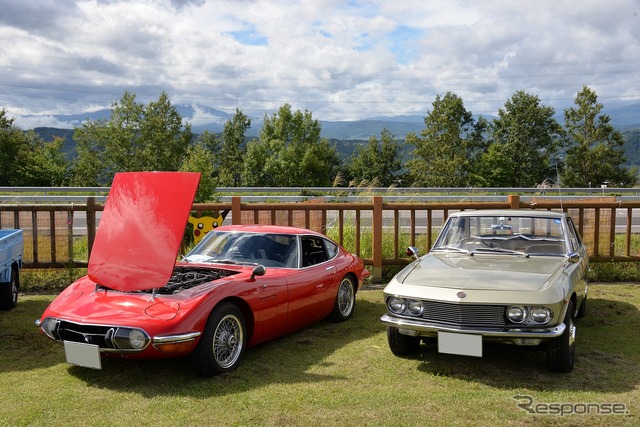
<point x="377" y="231"/>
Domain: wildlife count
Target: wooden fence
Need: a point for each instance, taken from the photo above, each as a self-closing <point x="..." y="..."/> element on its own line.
<point x="61" y="235"/>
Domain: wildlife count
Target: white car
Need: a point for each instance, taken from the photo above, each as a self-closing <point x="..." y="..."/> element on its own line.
<point x="514" y="276"/>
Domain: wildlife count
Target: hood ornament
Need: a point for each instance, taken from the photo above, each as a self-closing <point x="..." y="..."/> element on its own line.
<point x="461" y="295"/>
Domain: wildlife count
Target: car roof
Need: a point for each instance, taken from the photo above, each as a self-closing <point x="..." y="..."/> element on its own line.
<point x="510" y="212"/>
<point x="260" y="228"/>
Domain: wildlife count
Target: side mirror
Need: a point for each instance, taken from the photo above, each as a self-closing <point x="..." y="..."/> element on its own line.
<point x="574" y="257"/>
<point x="413" y="251"/>
<point x="259" y="270"/>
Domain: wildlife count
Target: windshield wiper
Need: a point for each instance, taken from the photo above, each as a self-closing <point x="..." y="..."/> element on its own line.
<point x="224" y="261"/>
<point x="502" y="251"/>
<point x="453" y="248"/>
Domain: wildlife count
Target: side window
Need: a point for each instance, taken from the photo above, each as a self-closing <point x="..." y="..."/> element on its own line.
<point x="332" y="249"/>
<point x="574" y="236"/>
<point x="313" y="251"/>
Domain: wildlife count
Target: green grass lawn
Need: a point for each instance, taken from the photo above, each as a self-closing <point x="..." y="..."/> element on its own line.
<point x="331" y="374"/>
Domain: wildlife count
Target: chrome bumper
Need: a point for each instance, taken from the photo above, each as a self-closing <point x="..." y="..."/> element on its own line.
<point x="428" y="329"/>
<point x="176" y="338"/>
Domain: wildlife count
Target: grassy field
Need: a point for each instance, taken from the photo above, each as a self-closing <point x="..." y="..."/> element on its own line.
<point x="333" y="374"/>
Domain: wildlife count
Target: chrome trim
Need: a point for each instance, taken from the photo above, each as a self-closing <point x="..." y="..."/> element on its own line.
<point x="505" y="332"/>
<point x="176" y="338"/>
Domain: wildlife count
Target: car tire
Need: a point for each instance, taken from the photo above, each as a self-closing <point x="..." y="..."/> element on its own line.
<point x="9" y="291"/>
<point x="583" y="309"/>
<point x="345" y="300"/>
<point x="402" y="345"/>
<point x="561" y="350"/>
<point x="223" y="341"/>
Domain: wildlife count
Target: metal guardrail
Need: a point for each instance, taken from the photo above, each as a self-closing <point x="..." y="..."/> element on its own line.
<point x="331" y="194"/>
<point x="603" y="191"/>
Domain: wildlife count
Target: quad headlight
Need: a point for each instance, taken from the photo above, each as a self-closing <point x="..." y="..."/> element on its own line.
<point x="517" y="314"/>
<point x="396" y="305"/>
<point x="533" y="315"/>
<point x="540" y="314"/>
<point x="414" y="307"/>
<point x="405" y="306"/>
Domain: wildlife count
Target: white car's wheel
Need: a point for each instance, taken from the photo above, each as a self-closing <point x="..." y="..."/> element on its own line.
<point x="223" y="342"/>
<point x="401" y="345"/>
<point x="561" y="350"/>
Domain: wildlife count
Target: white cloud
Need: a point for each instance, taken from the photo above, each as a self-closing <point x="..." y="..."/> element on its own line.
<point x="339" y="59"/>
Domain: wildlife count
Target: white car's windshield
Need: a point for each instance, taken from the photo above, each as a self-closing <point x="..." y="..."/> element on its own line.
<point x="503" y="235"/>
<point x="272" y="250"/>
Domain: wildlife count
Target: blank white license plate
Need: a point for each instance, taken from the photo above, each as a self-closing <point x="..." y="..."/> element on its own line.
<point x="462" y="344"/>
<point x="86" y="355"/>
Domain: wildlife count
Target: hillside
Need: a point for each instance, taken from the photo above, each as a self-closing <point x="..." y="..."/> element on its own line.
<point x="358" y="133"/>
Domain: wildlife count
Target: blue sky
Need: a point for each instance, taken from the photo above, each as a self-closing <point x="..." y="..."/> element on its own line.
<point x="341" y="60"/>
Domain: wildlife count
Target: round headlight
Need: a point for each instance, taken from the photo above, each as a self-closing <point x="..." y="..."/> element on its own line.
<point x="415" y="307"/>
<point x="396" y="305"/>
<point x="137" y="339"/>
<point x="540" y="314"/>
<point x="130" y="339"/>
<point x="517" y="314"/>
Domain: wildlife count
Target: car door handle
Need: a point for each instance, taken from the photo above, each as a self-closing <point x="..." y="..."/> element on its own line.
<point x="330" y="268"/>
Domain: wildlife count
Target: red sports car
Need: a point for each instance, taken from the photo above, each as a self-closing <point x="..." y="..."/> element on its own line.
<point x="240" y="286"/>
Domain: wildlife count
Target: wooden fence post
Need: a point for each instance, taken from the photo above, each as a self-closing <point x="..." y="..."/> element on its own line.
<point x="514" y="201"/>
<point x="236" y="210"/>
<point x="376" y="237"/>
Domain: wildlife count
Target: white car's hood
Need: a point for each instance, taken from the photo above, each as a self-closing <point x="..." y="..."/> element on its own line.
<point x="483" y="271"/>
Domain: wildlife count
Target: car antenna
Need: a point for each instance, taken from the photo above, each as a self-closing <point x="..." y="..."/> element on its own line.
<point x="559" y="186"/>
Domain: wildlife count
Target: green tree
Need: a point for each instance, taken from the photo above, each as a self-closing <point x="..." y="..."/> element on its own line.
<point x="377" y="162"/>
<point x="446" y="152"/>
<point x="290" y="152"/>
<point x="200" y="159"/>
<point x="135" y="138"/>
<point x="12" y="142"/>
<point x="26" y="160"/>
<point x="595" y="154"/>
<point x="524" y="140"/>
<point x="42" y="164"/>
<point x="230" y="158"/>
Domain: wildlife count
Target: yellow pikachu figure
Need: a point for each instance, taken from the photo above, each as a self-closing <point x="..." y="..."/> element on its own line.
<point x="203" y="225"/>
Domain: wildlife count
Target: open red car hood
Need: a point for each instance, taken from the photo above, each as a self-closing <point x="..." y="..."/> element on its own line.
<point x="141" y="229"/>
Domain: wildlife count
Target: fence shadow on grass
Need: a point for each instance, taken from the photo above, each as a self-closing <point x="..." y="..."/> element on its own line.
<point x="601" y="364"/>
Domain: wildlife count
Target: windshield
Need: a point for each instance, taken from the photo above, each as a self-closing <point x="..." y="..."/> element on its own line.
<point x="503" y="234"/>
<point x="272" y="250"/>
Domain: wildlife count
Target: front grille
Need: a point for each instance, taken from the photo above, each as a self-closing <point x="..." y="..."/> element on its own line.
<point x="88" y="334"/>
<point x="464" y="315"/>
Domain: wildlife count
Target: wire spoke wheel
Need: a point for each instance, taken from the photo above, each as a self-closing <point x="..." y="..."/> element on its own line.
<point x="345" y="300"/>
<point x="228" y="341"/>
<point x="346" y="297"/>
<point x="223" y="341"/>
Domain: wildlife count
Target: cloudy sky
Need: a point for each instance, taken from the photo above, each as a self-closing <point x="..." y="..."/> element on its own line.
<point x="341" y="60"/>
